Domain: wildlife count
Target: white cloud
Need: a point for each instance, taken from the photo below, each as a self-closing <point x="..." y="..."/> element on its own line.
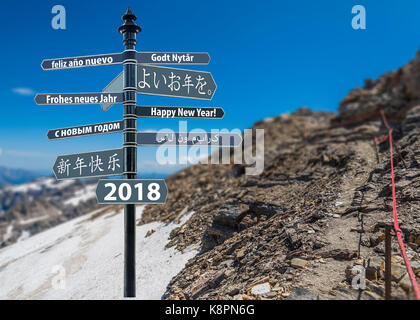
<point x="23" y="91"/>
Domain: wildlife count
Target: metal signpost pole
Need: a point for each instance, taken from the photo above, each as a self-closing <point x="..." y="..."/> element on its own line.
<point x="129" y="31"/>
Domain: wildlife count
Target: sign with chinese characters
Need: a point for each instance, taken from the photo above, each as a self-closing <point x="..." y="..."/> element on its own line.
<point x="116" y="85"/>
<point x="173" y="82"/>
<point x="78" y="98"/>
<point x="83" y="61"/>
<point x="89" y="164"/>
<point x="179" y="112"/>
<point x="220" y="139"/>
<point x="151" y="191"/>
<point x="85" y="130"/>
<point x="173" y="57"/>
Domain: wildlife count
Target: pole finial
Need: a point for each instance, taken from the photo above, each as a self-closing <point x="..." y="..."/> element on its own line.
<point x="129" y="25"/>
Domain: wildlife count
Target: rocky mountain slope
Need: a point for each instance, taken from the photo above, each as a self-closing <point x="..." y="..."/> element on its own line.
<point x="305" y="228"/>
<point x="317" y="213"/>
<point x="35" y="206"/>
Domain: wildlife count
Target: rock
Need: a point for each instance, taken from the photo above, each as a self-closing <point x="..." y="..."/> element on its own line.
<point x="270" y="295"/>
<point x="392" y="92"/>
<point x="149" y="233"/>
<point x="405" y="283"/>
<point x="374" y="269"/>
<point x="298" y="263"/>
<point x="341" y="254"/>
<point x="213" y="283"/>
<point x="415" y="265"/>
<point x="230" y="214"/>
<point x="376" y="238"/>
<point x="238" y="170"/>
<point x="368" y="295"/>
<point x="240" y="253"/>
<point x="397" y="272"/>
<point x="299" y="293"/>
<point x="379" y="290"/>
<point x="352" y="271"/>
<point x="397" y="259"/>
<point x="259" y="289"/>
<point x="232" y="292"/>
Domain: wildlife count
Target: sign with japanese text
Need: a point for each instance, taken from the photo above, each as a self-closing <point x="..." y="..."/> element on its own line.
<point x="89" y="164"/>
<point x="173" y="82"/>
<point x="151" y="191"/>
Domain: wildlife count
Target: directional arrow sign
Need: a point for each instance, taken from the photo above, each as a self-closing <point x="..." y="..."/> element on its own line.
<point x="78" y="98"/>
<point x="151" y="191"/>
<point x="171" y="82"/>
<point x="85" y="130"/>
<point x="83" y="61"/>
<point x="179" y="112"/>
<point x="220" y="139"/>
<point x="116" y="85"/>
<point x="89" y="164"/>
<point x="173" y="57"/>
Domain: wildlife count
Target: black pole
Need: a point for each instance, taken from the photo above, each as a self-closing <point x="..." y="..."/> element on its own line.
<point x="388" y="270"/>
<point x="129" y="31"/>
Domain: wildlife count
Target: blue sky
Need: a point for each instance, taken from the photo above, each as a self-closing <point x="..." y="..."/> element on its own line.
<point x="267" y="57"/>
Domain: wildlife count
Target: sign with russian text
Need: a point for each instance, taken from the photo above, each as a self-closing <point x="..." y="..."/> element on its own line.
<point x="85" y="130"/>
<point x="89" y="164"/>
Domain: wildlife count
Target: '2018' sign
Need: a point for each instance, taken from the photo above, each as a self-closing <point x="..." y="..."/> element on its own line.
<point x="151" y="191"/>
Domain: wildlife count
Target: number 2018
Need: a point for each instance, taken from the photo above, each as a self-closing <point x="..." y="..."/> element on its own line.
<point x="125" y="192"/>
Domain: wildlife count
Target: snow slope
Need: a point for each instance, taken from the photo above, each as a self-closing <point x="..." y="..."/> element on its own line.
<point x="83" y="259"/>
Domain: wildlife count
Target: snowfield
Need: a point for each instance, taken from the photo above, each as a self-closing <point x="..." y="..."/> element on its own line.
<point x="83" y="259"/>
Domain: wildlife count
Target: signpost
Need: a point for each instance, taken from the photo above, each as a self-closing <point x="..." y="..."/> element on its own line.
<point x="132" y="191"/>
<point x="171" y="82"/>
<point x="137" y="77"/>
<point x="180" y="112"/>
<point x="173" y="57"/>
<point x="85" y="130"/>
<point x="219" y="139"/>
<point x="116" y="85"/>
<point x="89" y="164"/>
<point x="83" y="61"/>
<point x="78" y="98"/>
